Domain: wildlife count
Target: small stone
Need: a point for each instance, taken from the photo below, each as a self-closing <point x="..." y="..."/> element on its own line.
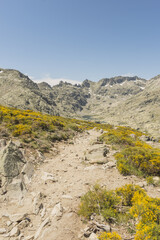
<point x="21" y="236"/>
<point x="17" y="217"/>
<point x="23" y="224"/>
<point x="57" y="211"/>
<point x="48" y="177"/>
<point x="8" y="223"/>
<point x="104" y="227"/>
<point x="87" y="234"/>
<point x="14" y="232"/>
<point x="111" y="164"/>
<point x="140" y="184"/>
<point x="93" y="236"/>
<point x="156" y="179"/>
<point x="29" y="237"/>
<point x="2" y="143"/>
<point x="101" y="131"/>
<point x="2" y="230"/>
<point x="67" y="197"/>
<point x="43" y="224"/>
<point x="37" y="203"/>
<point x="43" y="212"/>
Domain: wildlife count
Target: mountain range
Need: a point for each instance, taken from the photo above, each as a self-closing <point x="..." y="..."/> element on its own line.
<point x="128" y="101"/>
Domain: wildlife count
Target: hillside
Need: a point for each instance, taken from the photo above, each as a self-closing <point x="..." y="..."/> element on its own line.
<point x="139" y="111"/>
<point x="66" y="177"/>
<point x="17" y="90"/>
<point x="130" y="101"/>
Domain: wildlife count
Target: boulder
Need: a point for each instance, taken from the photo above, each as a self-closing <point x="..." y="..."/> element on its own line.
<point x="11" y="161"/>
<point x="97" y="154"/>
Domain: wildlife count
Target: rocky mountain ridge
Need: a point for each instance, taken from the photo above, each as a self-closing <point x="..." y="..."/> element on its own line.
<point x="119" y="100"/>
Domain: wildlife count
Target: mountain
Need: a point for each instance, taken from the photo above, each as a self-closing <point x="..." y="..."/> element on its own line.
<point x="17" y="90"/>
<point x="131" y="101"/>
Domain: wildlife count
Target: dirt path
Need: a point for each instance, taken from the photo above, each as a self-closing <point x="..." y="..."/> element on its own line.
<point x="70" y="178"/>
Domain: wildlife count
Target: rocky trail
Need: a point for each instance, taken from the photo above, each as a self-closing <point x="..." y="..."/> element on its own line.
<point x="46" y="207"/>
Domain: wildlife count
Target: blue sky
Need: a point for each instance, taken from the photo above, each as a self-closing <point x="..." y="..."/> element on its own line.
<point x="79" y="39"/>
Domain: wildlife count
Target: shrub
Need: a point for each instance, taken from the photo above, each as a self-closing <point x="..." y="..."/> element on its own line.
<point x="109" y="236"/>
<point x="21" y="129"/>
<point x="144" y="160"/>
<point x="33" y="126"/>
<point x="121" y="136"/>
<point x="142" y="211"/>
<point x="150" y="180"/>
<point x="127" y="193"/>
<point x="99" y="201"/>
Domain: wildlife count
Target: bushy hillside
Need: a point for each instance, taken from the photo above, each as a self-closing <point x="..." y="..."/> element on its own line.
<point x="129" y="205"/>
<point x="40" y="130"/>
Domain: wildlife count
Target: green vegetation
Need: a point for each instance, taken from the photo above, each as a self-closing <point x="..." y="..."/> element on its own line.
<point x="139" y="210"/>
<point x="135" y="156"/>
<point x="109" y="236"/>
<point x="121" y="136"/>
<point x="99" y="201"/>
<point x="39" y="130"/>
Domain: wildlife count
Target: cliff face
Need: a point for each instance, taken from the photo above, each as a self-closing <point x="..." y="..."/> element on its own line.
<point x="120" y="100"/>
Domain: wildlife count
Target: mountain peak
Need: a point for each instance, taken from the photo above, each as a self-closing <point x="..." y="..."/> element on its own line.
<point x="118" y="79"/>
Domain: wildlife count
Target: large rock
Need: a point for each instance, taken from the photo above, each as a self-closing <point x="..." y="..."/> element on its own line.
<point x="97" y="154"/>
<point x="11" y="161"/>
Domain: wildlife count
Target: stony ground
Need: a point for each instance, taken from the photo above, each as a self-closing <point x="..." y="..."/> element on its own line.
<point x="47" y="209"/>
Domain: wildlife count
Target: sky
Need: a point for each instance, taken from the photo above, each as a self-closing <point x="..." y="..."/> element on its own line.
<point x="52" y="40"/>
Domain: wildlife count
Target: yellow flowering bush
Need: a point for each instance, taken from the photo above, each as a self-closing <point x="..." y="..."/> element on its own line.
<point x="136" y="156"/>
<point x="147" y="211"/>
<point x="142" y="210"/>
<point x="128" y="192"/>
<point x="99" y="201"/>
<point x="139" y="159"/>
<point x="122" y="136"/>
<point x="35" y="128"/>
<point x="109" y="236"/>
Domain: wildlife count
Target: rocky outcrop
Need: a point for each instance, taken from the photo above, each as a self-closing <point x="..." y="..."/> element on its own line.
<point x="11" y="161"/>
<point x="17" y="90"/>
